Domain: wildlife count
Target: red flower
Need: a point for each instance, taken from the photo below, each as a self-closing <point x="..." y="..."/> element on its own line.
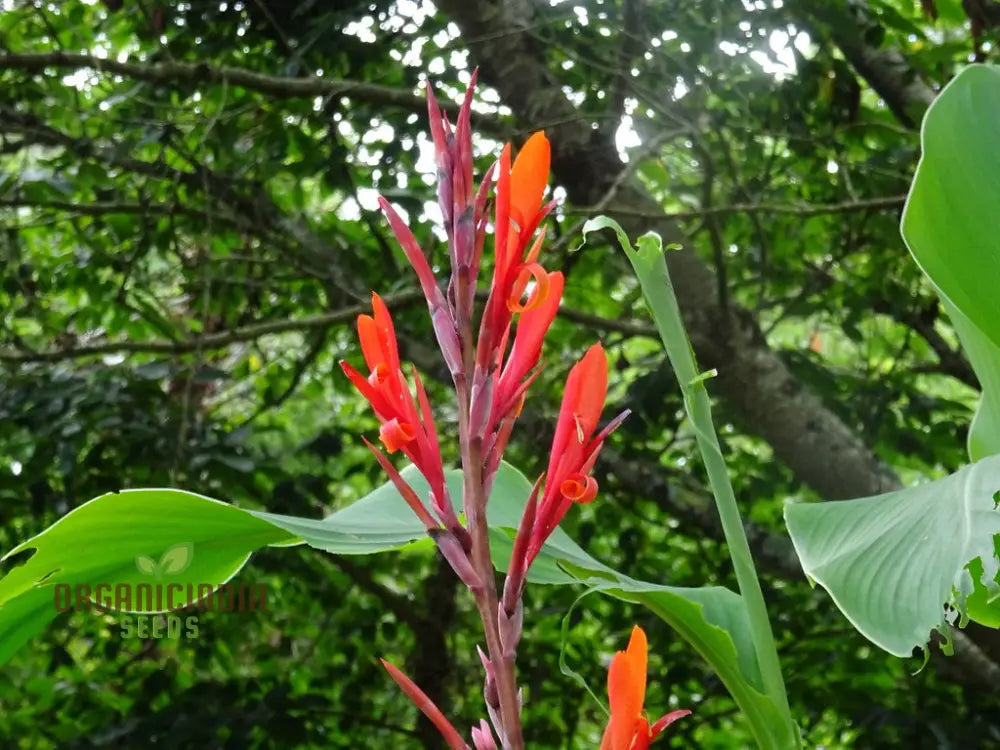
<point x="527" y="349"/>
<point x="574" y="447"/>
<point x="628" y="728"/>
<point x="403" y="428"/>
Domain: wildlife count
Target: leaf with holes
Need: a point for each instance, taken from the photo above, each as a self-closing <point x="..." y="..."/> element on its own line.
<point x="891" y="562"/>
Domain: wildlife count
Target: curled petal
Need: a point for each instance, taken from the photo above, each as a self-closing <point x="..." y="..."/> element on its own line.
<point x="536" y="248"/>
<point x="395" y="434"/>
<point x="665" y="721"/>
<point x="538" y="295"/>
<point x="579" y="488"/>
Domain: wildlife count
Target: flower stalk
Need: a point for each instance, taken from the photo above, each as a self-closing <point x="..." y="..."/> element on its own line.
<point x="491" y="370"/>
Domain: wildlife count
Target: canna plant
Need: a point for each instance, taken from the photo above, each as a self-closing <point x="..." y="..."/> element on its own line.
<point x="889" y="562"/>
<point x="486" y="516"/>
<point x="481" y="517"/>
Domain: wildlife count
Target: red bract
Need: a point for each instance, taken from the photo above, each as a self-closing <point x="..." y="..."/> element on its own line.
<point x="403" y="427"/>
<point x="628" y="728"/>
<point x="427" y="707"/>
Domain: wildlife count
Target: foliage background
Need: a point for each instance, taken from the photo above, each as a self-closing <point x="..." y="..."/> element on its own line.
<point x="187" y="197"/>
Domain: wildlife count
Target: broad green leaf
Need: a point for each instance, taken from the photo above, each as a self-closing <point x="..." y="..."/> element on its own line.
<point x="947" y="227"/>
<point x="775" y="728"/>
<point x="712" y="619"/>
<point x="113" y="539"/>
<point x="891" y="562"/>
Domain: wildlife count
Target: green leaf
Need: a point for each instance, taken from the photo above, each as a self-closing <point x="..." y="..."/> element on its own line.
<point x="891" y="562"/>
<point x="777" y="729"/>
<point x="952" y="204"/>
<point x="984" y="356"/>
<point x="113" y="539"/>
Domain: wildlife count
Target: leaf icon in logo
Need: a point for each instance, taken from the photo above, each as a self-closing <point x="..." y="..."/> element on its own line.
<point x="176" y="559"/>
<point x="146" y="565"/>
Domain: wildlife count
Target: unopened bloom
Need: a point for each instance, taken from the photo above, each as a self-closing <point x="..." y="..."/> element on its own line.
<point x="628" y="728"/>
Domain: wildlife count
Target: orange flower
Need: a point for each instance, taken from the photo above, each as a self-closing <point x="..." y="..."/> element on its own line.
<point x="528" y="178"/>
<point x="519" y="210"/>
<point x="574" y="447"/>
<point x="403" y="427"/>
<point x="628" y="728"/>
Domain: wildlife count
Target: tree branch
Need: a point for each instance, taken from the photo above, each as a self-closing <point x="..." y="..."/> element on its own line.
<point x="279" y="87"/>
<point x="210" y="341"/>
<point x="849" y="26"/>
<point x="806" y="211"/>
<point x="254" y="331"/>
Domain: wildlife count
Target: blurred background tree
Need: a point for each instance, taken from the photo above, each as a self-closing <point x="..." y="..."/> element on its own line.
<point x="189" y="226"/>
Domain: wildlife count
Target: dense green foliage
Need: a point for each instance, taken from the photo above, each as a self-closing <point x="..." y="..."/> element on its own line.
<point x="189" y="229"/>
